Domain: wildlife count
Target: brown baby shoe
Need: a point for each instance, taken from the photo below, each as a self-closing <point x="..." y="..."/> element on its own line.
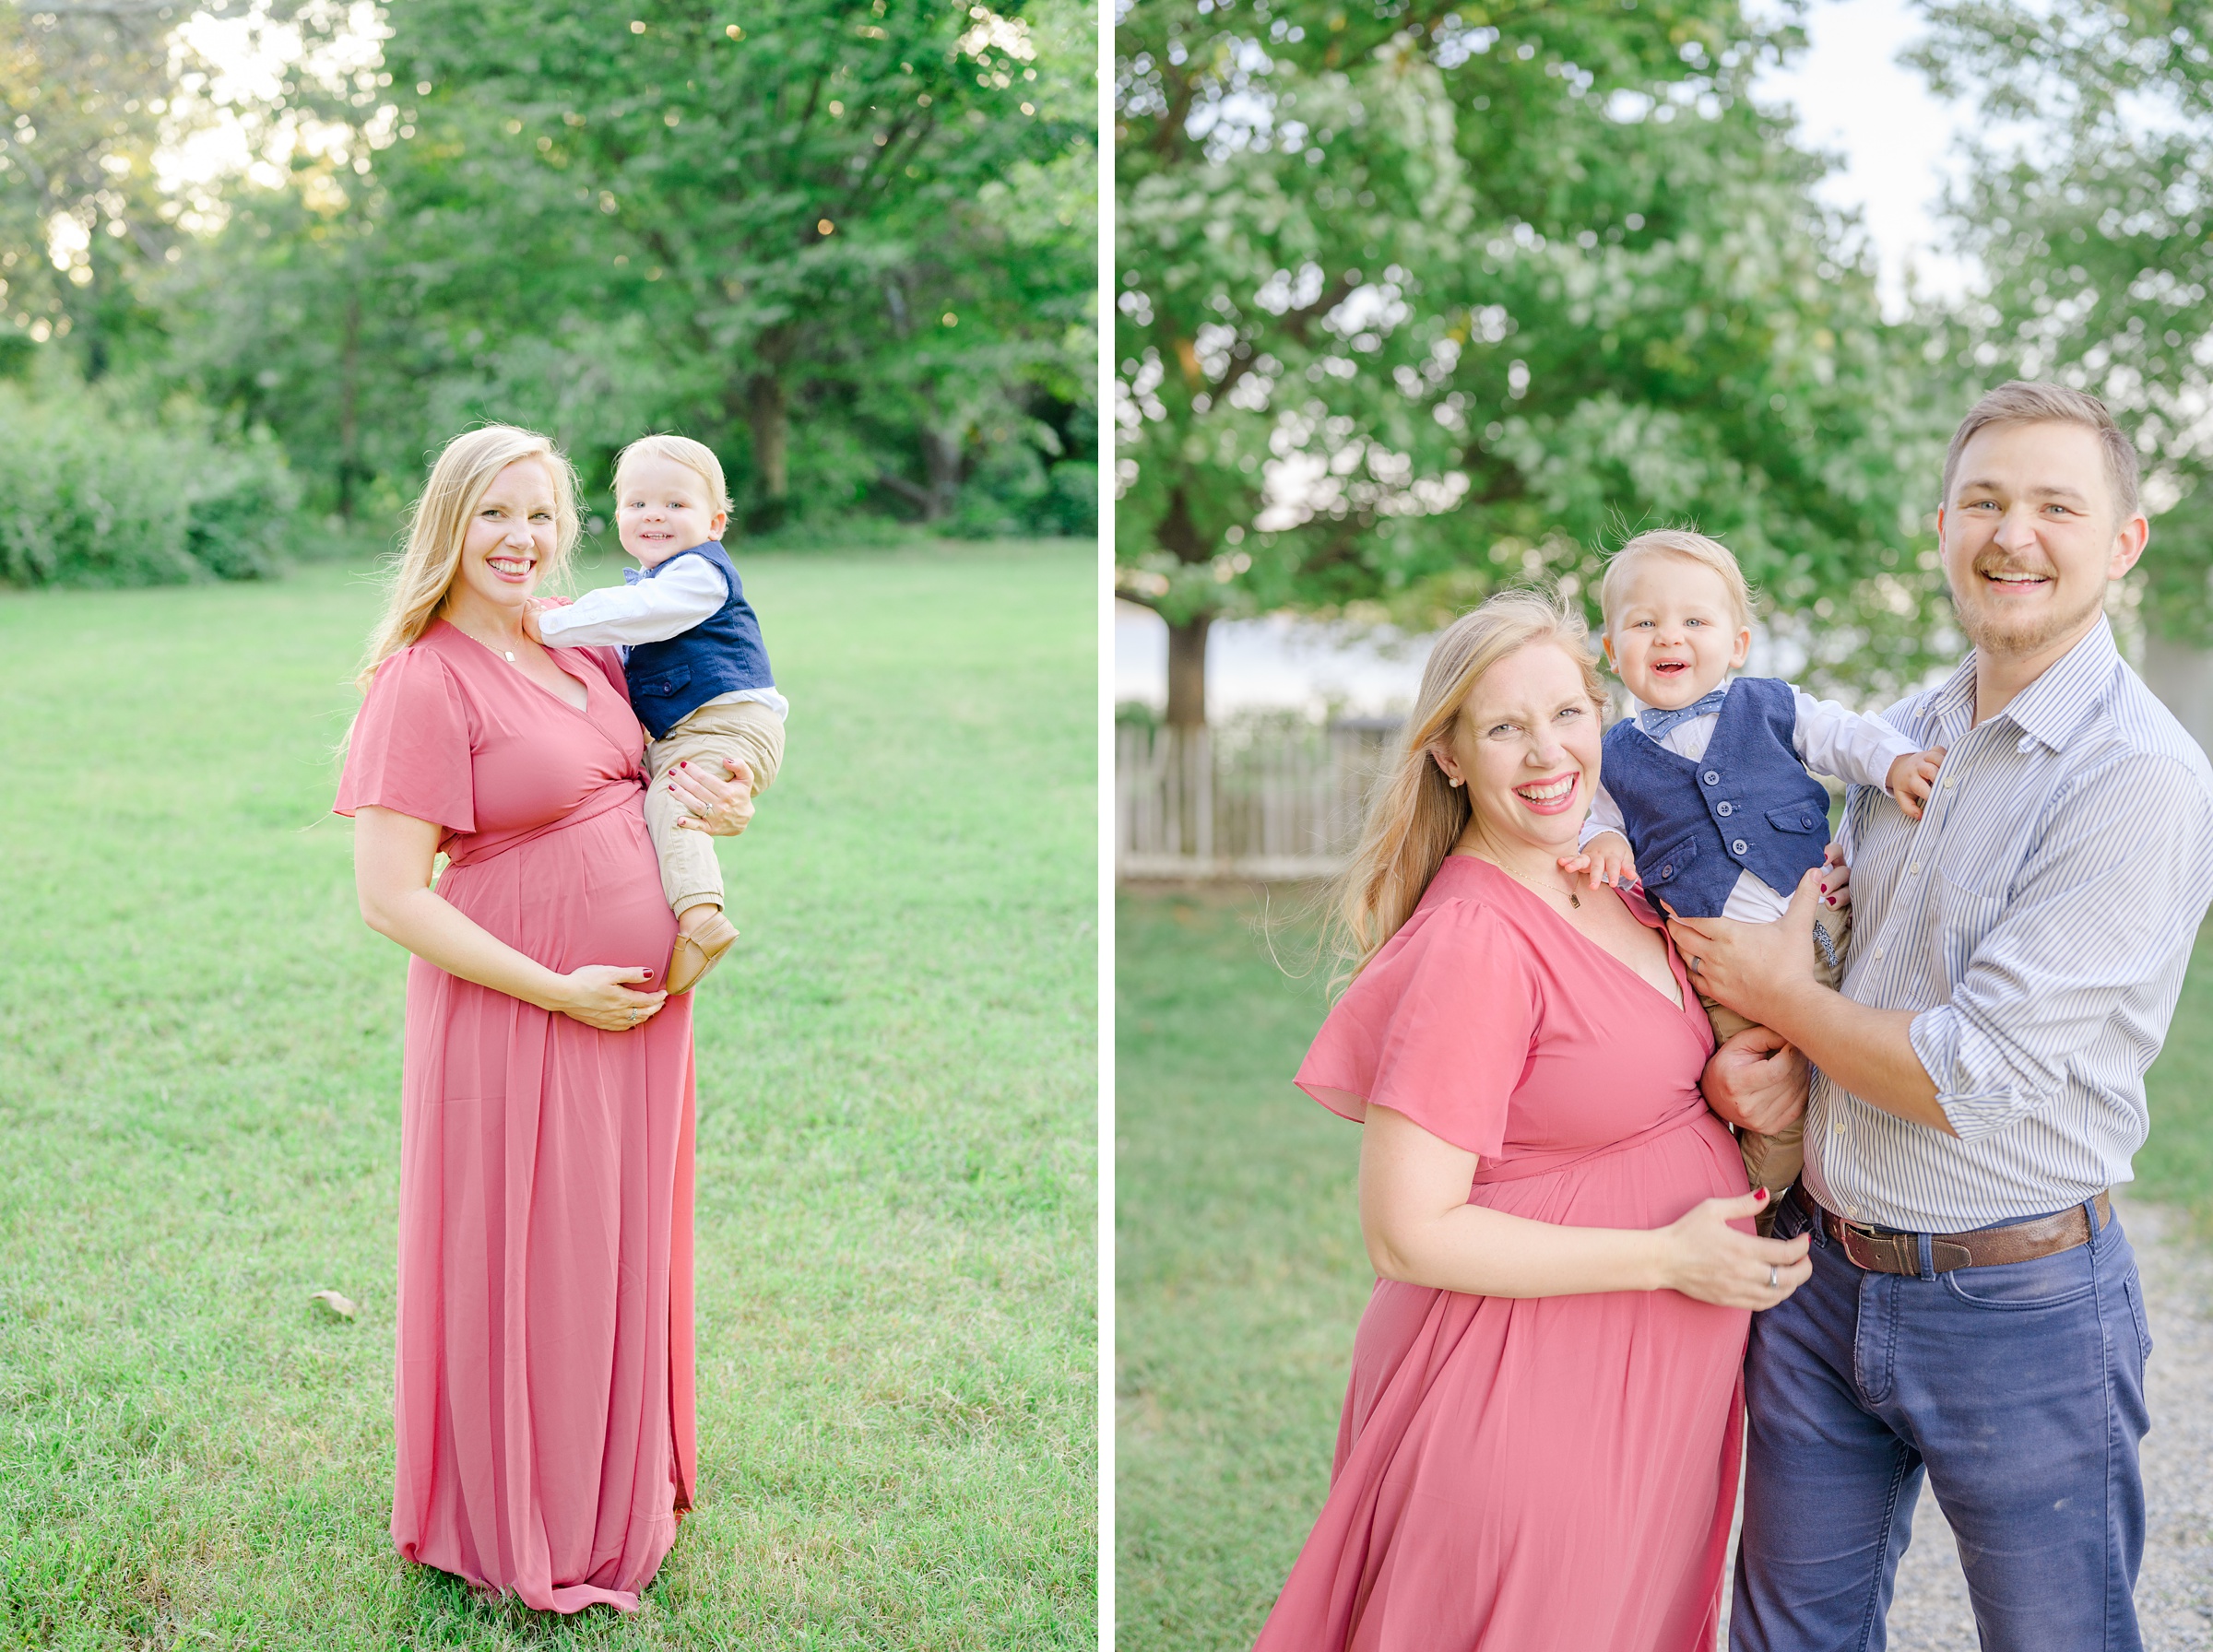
<point x="698" y="953"/>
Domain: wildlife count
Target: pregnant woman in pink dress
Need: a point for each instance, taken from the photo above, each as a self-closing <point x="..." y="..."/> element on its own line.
<point x="1539" y="1444"/>
<point x="543" y="1411"/>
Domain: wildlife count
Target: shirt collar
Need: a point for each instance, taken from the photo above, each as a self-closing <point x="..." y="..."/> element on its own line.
<point x="2072" y="687"/>
<point x="2050" y="709"/>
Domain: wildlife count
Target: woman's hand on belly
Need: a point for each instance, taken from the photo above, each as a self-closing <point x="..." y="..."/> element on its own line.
<point x="1706" y="1258"/>
<point x="597" y="996"/>
<point x="392" y="855"/>
<point x="1421" y="1229"/>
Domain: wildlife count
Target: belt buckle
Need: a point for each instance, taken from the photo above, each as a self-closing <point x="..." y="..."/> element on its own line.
<point x="1881" y="1255"/>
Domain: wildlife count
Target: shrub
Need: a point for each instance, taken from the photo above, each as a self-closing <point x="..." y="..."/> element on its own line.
<point x="92" y="497"/>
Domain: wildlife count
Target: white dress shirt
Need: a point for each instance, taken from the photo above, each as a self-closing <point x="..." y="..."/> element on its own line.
<point x="1829" y="740"/>
<point x="2038" y="918"/>
<point x="652" y="610"/>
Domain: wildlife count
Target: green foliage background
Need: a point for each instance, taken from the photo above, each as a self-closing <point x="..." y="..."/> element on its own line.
<point x="852" y="247"/>
<point x="1419" y="297"/>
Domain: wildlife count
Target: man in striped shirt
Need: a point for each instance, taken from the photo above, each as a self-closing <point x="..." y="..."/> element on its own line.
<point x="1974" y="1312"/>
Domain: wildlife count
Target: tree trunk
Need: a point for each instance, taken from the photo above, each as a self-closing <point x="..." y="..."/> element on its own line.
<point x="941" y="464"/>
<point x="768" y="416"/>
<point x="1186" y="672"/>
<point x="350" y="374"/>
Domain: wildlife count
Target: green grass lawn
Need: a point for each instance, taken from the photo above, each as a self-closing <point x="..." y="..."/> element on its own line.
<point x="199" y="1101"/>
<point x="1239" y="1269"/>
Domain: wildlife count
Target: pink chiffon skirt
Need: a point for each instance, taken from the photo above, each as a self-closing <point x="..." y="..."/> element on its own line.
<point x="543" y="1406"/>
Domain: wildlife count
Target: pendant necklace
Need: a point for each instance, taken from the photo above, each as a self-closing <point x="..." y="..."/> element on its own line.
<point x="1574" y="900"/>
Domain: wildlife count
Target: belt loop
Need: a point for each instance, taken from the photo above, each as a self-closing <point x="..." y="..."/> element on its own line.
<point x="2090" y="1214"/>
<point x="1810" y="1208"/>
<point x="1928" y="1255"/>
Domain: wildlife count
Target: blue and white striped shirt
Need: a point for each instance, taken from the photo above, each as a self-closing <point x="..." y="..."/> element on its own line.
<point x="2039" y="917"/>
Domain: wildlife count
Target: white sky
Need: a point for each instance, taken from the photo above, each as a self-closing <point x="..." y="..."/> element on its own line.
<point x="1854" y="98"/>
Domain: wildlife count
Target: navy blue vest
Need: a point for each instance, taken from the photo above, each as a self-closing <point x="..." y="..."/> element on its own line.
<point x="722" y="653"/>
<point x="1748" y="805"/>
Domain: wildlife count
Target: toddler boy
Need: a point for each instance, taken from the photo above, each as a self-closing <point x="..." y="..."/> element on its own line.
<point x="1705" y="793"/>
<point x="698" y="673"/>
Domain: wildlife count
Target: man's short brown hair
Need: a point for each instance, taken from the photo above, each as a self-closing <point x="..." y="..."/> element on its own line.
<point x="2033" y="402"/>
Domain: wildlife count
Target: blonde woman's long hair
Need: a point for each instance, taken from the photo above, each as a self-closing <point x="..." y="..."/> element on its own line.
<point x="422" y="576"/>
<point x="1414" y="815"/>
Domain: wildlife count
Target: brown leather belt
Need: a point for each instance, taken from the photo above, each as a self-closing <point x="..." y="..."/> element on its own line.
<point x="1880" y="1252"/>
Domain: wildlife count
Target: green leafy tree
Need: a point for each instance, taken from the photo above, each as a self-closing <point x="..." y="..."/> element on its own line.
<point x="810" y="205"/>
<point x="2092" y="219"/>
<point x="1418" y="300"/>
<point x="84" y="93"/>
<point x="851" y="248"/>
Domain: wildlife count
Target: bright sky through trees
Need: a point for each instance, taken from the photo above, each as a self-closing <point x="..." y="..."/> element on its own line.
<point x="1896" y="138"/>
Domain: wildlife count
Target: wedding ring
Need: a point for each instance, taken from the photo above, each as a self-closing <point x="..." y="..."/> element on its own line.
<point x="1694" y="966"/>
<point x="1774" y="1279"/>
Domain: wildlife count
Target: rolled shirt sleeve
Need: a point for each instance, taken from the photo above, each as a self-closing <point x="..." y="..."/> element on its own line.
<point x="652" y="610"/>
<point x="2095" y="913"/>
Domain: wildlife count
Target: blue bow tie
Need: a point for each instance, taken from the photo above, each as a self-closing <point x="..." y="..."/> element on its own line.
<point x="1656" y="723"/>
<point x="630" y="576"/>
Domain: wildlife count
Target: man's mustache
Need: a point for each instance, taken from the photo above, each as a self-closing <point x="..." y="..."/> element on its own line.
<point x="2005" y="566"/>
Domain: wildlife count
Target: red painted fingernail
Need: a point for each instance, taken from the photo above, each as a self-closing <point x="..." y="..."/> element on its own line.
<point x="1760" y="1194"/>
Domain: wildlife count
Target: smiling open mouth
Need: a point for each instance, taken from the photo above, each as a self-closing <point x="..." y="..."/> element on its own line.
<point x="2015" y="579"/>
<point x="1549" y="797"/>
<point x="513" y="567"/>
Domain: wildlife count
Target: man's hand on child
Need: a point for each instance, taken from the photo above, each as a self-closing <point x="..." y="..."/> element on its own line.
<point x="1913" y="777"/>
<point x="1605" y="858"/>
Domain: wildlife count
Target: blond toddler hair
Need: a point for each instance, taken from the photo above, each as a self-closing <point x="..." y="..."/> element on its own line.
<point x="695" y="457"/>
<point x="1691" y="547"/>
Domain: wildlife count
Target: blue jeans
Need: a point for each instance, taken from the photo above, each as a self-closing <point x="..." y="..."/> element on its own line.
<point x="2017" y="1389"/>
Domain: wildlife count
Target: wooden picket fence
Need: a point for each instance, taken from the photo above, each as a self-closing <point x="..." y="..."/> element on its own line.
<point x="1268" y="803"/>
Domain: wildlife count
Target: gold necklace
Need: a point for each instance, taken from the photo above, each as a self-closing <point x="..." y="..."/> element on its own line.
<point x="1574" y="900"/>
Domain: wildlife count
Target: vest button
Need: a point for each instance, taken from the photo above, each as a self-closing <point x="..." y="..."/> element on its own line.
<point x="1806" y="822"/>
<point x="1711" y="777"/>
<point x="1737" y="847"/>
<point x="1724" y="808"/>
<point x="1668" y="870"/>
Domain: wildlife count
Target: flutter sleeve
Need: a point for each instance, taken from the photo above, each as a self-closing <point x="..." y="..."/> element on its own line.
<point x="411" y="748"/>
<point x="1438" y="1026"/>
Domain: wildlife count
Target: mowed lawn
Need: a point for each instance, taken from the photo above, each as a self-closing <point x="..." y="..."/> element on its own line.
<point x="1240" y="1272"/>
<point x="200" y="1105"/>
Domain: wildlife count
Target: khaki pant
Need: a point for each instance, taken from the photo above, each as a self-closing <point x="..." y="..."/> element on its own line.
<point x="742" y="730"/>
<point x="1774" y="1161"/>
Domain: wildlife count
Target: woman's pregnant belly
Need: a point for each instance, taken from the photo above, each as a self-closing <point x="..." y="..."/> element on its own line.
<point x="587" y="893"/>
<point x="1647" y="1183"/>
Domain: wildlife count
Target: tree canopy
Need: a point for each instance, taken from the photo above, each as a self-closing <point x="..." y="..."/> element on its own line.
<point x="2089" y="208"/>
<point x="851" y="246"/>
<point x="1416" y="300"/>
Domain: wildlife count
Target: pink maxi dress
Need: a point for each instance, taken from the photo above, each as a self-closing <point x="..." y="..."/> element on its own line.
<point x="543" y="1407"/>
<point x="1555" y="1474"/>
